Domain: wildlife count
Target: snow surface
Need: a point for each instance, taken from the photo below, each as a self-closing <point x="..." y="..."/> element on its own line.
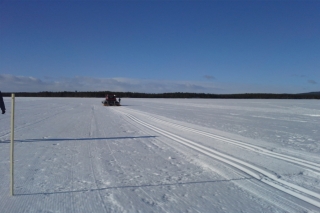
<point x="162" y="155"/>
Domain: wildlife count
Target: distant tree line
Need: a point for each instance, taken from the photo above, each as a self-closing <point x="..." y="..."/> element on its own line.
<point x="102" y="94"/>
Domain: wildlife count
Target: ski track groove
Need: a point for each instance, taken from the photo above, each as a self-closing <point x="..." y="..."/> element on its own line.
<point x="273" y="198"/>
<point x="260" y="150"/>
<point x="72" y="177"/>
<point x="250" y="169"/>
<point x="94" y="122"/>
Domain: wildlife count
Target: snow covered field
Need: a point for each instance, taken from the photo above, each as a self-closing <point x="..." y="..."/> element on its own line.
<point x="162" y="155"/>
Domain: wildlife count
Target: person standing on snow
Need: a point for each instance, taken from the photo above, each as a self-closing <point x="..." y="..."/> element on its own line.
<point x="3" y="108"/>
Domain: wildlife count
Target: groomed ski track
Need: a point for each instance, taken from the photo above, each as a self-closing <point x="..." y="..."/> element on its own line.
<point x="258" y="173"/>
<point x="302" y="162"/>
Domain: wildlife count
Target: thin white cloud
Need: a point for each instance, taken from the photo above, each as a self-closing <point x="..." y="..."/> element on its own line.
<point x="209" y="77"/>
<point x="11" y="83"/>
<point x="312" y="82"/>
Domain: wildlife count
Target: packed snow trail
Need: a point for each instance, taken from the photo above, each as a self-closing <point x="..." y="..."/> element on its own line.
<point x="74" y="155"/>
<point x="256" y="172"/>
<point x="302" y="162"/>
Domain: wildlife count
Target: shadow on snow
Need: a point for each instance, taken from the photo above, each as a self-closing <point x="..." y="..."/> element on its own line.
<point x="138" y="186"/>
<point x="74" y="139"/>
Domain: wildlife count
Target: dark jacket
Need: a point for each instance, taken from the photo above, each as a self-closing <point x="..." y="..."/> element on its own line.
<point x="3" y="108"/>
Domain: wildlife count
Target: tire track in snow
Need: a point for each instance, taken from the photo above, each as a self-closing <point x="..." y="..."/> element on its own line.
<point x="260" y="150"/>
<point x="94" y="123"/>
<point x="250" y="169"/>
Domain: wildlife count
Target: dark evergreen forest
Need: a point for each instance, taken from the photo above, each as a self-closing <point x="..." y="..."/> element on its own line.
<point x="102" y="94"/>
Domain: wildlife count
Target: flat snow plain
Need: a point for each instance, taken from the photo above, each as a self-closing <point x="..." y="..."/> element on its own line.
<point x="162" y="155"/>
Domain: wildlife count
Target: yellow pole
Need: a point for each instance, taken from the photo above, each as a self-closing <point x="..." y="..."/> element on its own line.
<point x="12" y="145"/>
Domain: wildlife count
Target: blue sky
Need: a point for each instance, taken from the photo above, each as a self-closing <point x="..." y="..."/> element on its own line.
<point x="160" y="46"/>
